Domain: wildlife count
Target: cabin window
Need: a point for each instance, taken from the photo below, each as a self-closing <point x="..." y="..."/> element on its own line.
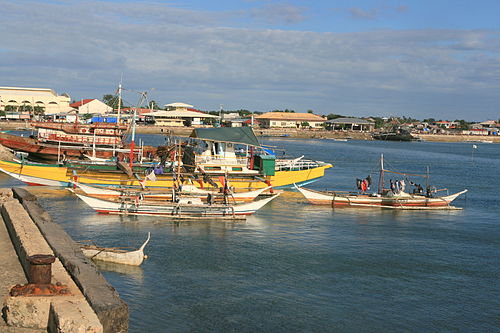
<point x="212" y="168"/>
<point x="238" y="169"/>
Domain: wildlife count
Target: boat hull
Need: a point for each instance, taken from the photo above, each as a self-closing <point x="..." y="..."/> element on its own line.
<point x="404" y="201"/>
<point x="175" y="211"/>
<point x="40" y="151"/>
<point x="42" y="174"/>
<point x="133" y="258"/>
<point x="110" y="194"/>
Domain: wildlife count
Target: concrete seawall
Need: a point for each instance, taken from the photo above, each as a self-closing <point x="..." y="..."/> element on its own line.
<point x="92" y="304"/>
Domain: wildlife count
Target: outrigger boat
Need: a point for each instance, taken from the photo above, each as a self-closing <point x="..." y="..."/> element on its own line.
<point x="385" y="198"/>
<point x="155" y="195"/>
<point x="250" y="171"/>
<point x="185" y="208"/>
<point x="116" y="255"/>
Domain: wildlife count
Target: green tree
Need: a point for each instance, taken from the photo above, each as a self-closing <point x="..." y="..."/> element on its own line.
<point x="304" y="124"/>
<point x="310" y="111"/>
<point x="244" y="113"/>
<point x="39" y="110"/>
<point x="379" y="122"/>
<point x="462" y="124"/>
<point x="112" y="101"/>
<point x="153" y="105"/>
<point x="333" y="116"/>
<point x="10" y="108"/>
<point x="24" y="108"/>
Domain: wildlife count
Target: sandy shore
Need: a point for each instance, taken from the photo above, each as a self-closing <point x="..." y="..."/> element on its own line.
<point x="291" y="133"/>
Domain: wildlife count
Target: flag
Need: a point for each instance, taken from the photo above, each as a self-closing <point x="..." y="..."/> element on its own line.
<point x="151" y="176"/>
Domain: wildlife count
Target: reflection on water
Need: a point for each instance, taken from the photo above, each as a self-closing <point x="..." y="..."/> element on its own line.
<point x="134" y="272"/>
<point x="295" y="267"/>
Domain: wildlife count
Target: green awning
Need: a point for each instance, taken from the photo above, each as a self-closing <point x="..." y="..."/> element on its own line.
<point x="242" y="135"/>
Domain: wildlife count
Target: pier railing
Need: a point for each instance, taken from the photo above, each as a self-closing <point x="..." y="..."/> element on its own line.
<point x="220" y="159"/>
<point x="291" y="164"/>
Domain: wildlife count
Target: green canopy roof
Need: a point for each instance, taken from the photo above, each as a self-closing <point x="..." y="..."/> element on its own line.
<point x="243" y="135"/>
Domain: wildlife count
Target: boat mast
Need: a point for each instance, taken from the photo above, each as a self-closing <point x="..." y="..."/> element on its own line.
<point x="381" y="176"/>
<point x="93" y="146"/>
<point x="427" y="178"/>
<point x="132" y="143"/>
<point x="119" y="102"/>
<point x="178" y="182"/>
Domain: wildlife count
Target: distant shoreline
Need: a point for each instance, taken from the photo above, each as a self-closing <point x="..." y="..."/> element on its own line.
<point x="292" y="133"/>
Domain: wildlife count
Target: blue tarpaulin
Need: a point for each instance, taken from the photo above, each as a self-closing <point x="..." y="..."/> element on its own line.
<point x="104" y="119"/>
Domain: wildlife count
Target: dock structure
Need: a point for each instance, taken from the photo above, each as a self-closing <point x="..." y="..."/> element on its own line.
<point x="46" y="283"/>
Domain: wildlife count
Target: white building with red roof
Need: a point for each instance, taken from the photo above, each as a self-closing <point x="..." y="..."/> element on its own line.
<point x="91" y="106"/>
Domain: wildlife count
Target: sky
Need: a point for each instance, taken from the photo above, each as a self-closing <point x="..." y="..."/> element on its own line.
<point x="414" y="58"/>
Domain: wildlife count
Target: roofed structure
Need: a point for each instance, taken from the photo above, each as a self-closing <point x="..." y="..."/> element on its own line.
<point x="290" y="119"/>
<point x="353" y="124"/>
<point x="176" y="117"/>
<point x="91" y="106"/>
<point x="239" y="135"/>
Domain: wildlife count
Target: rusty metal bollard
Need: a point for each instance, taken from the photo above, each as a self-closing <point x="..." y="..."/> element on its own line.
<point x="40" y="278"/>
<point x="40" y="271"/>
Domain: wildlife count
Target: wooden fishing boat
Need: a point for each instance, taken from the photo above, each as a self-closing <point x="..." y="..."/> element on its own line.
<point x="50" y="151"/>
<point x="219" y="159"/>
<point x="400" y="201"/>
<point x="152" y="195"/>
<point x="54" y="175"/>
<point x="384" y="198"/>
<point x="186" y="208"/>
<point x="116" y="255"/>
<point x="396" y="134"/>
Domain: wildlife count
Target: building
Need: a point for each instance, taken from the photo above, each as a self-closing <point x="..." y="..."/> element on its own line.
<point x="290" y="120"/>
<point x="178" y="107"/>
<point x="177" y="118"/>
<point x="446" y="124"/>
<point x="91" y="106"/>
<point x="37" y="100"/>
<point x="351" y="124"/>
<point x="489" y="123"/>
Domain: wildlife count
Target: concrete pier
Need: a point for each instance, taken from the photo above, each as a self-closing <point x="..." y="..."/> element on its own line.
<point x="88" y="303"/>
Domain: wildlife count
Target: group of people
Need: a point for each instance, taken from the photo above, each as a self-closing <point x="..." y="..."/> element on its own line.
<point x="397" y="186"/>
<point x="364" y="184"/>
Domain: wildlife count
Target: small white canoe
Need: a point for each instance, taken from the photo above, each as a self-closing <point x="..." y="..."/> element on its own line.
<point x="117" y="256"/>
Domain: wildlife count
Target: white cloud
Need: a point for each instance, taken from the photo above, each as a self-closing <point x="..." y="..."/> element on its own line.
<point x="85" y="48"/>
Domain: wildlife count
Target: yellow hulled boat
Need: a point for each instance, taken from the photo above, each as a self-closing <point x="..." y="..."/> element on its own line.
<point x="216" y="160"/>
<point x="53" y="175"/>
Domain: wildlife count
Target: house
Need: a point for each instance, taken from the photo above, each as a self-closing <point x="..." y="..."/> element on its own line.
<point x="489" y="123"/>
<point x="91" y="106"/>
<point x="290" y="120"/>
<point x="177" y="118"/>
<point x="42" y="100"/>
<point x="446" y="124"/>
<point x="351" y="124"/>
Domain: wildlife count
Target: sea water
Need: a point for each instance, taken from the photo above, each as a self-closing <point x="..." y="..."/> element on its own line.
<point x="295" y="267"/>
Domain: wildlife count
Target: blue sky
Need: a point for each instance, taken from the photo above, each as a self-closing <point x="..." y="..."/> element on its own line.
<point x="422" y="59"/>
